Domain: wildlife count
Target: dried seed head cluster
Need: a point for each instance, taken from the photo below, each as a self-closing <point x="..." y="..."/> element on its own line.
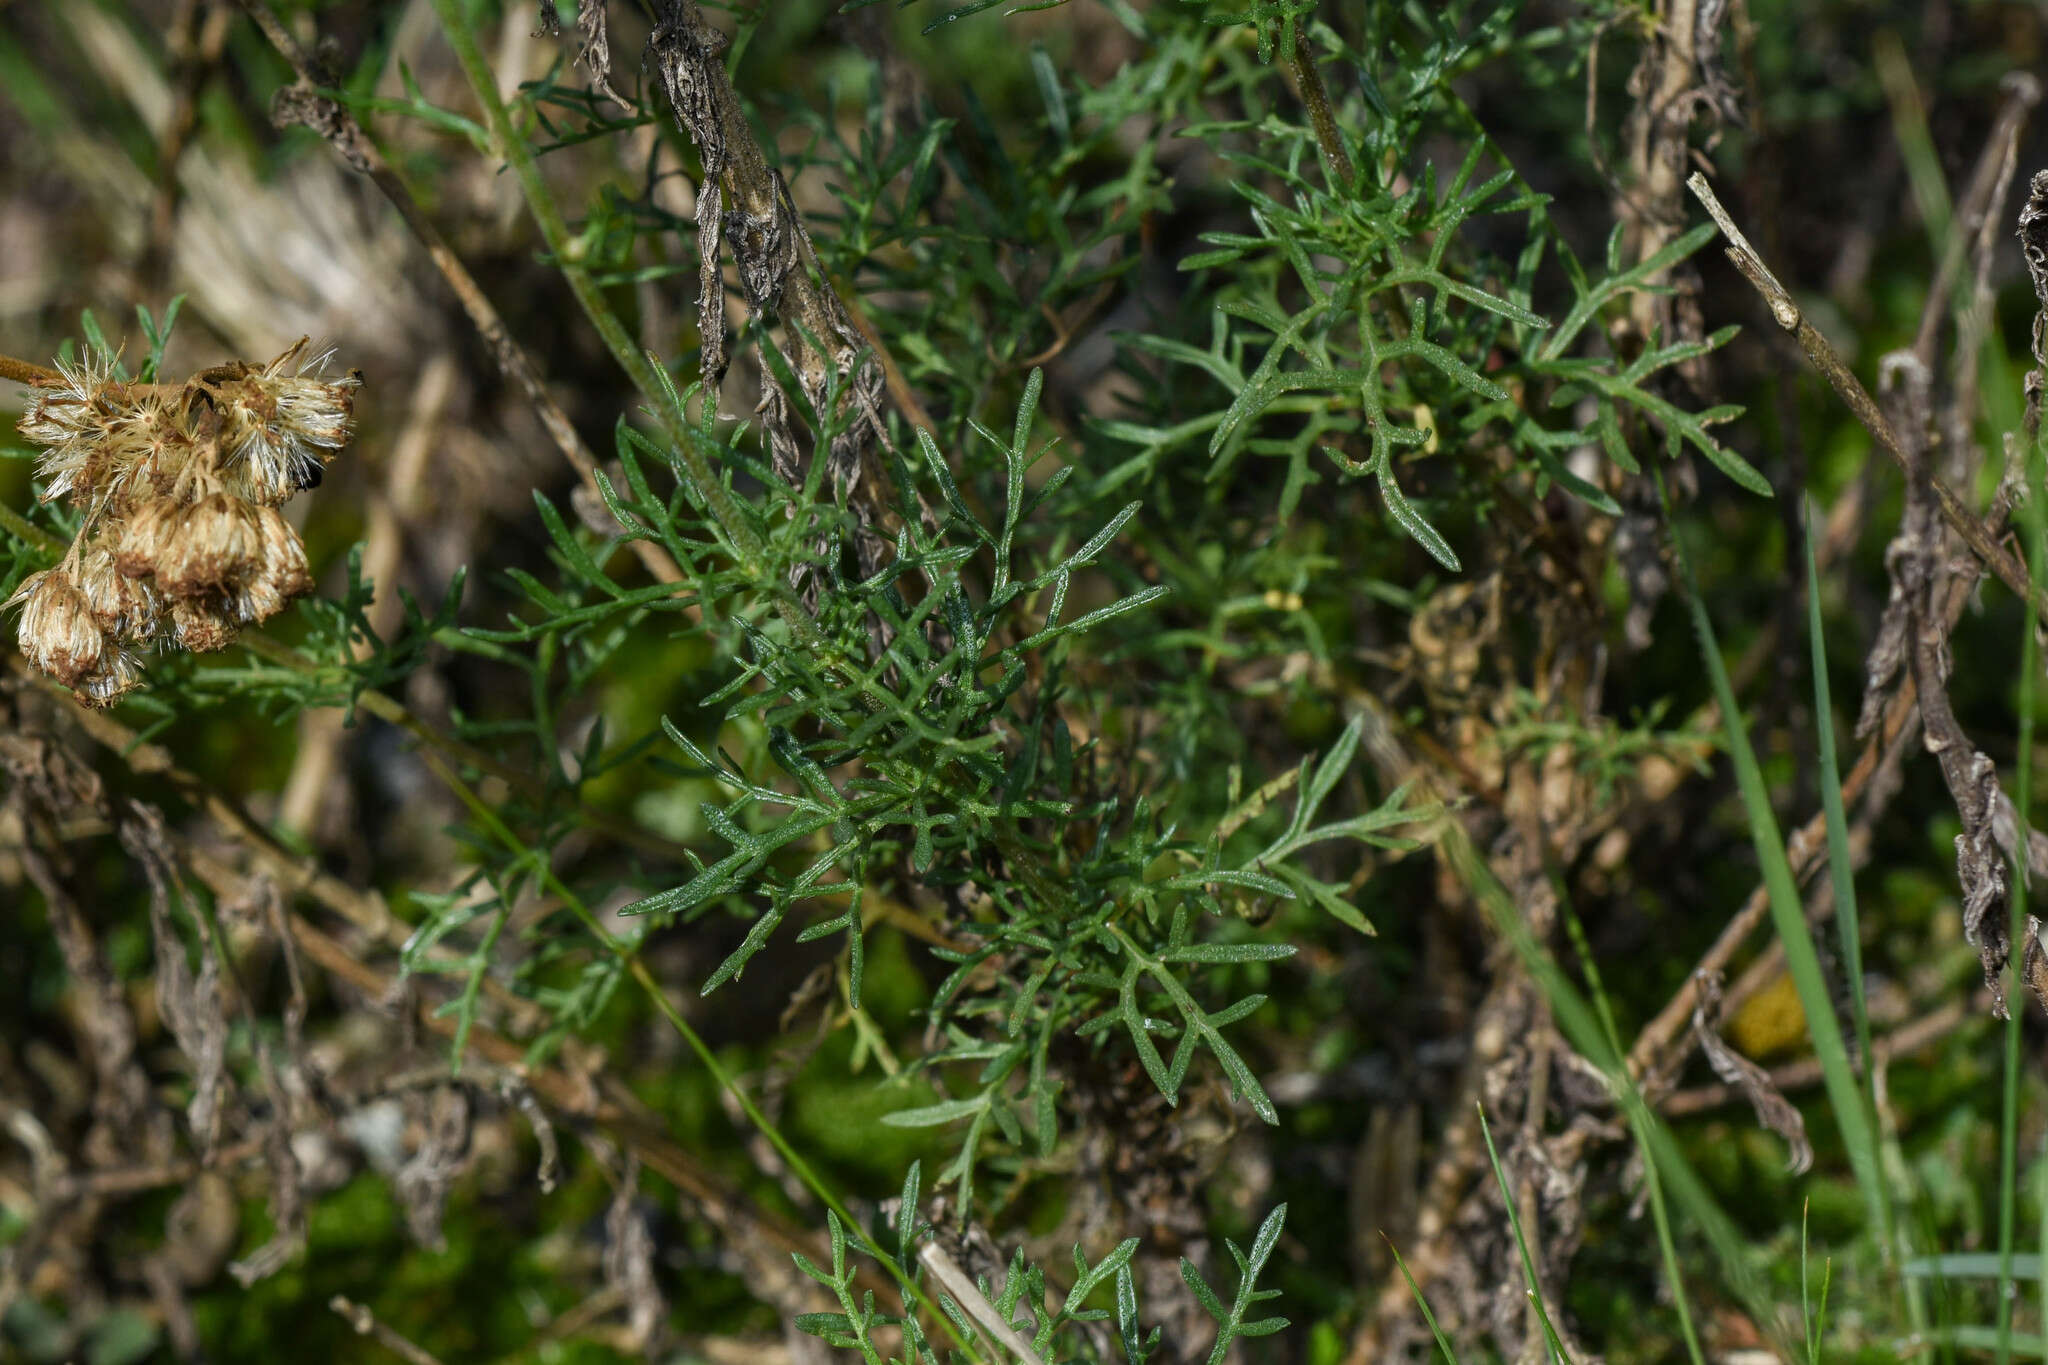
<point x="182" y="540"/>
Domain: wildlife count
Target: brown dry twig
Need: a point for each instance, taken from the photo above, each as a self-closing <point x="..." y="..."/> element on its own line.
<point x="1805" y="850"/>
<point x="607" y="1104"/>
<point x="763" y="1238"/>
<point x="304" y="104"/>
<point x="1975" y="534"/>
<point x="1977" y="211"/>
<point x="365" y="1324"/>
<point x="1886" y="718"/>
<point x="744" y="204"/>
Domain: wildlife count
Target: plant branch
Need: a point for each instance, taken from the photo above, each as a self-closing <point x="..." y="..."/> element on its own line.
<point x="511" y="145"/>
<point x="1308" y="81"/>
<point x="752" y="1229"/>
<point x="294" y="874"/>
<point x="22" y="529"/>
<point x="1980" y="203"/>
<point x="1900" y="1042"/>
<point x="364" y="1323"/>
<point x="628" y="955"/>
<point x="24" y="372"/>
<point x="744" y="203"/>
<point x="1824" y="358"/>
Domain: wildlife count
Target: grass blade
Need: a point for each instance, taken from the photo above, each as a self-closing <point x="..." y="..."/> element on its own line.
<point x="2015" y="991"/>
<point x="1788" y="915"/>
<point x="1507" y="1197"/>
<point x="1579" y="1023"/>
<point x="1442" y="1342"/>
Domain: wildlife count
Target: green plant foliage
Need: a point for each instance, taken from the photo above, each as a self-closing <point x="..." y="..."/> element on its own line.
<point x="1020" y="1301"/>
<point x="1092" y="669"/>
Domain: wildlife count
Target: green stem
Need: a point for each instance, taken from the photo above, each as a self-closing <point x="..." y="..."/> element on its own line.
<point x="22" y="529"/>
<point x="1329" y="138"/>
<point x="1660" y="1215"/>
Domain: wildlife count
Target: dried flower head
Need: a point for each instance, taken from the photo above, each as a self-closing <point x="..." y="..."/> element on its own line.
<point x="70" y="421"/>
<point x="95" y="431"/>
<point x="142" y="537"/>
<point x="57" y="632"/>
<point x="181" y="541"/>
<point x="280" y="429"/>
<point x="119" y="673"/>
<point x="282" y="572"/>
<point x="125" y="607"/>
<point x="201" y="625"/>
<point x="212" y="545"/>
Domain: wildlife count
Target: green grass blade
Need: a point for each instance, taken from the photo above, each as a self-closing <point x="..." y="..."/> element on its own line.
<point x="2015" y="991"/>
<point x="1848" y="924"/>
<point x="1660" y="1215"/>
<point x="1986" y="1339"/>
<point x="1969" y="1265"/>
<point x="1788" y="916"/>
<point x="1581" y="1028"/>
<point x="1443" y="1343"/>
<point x="1507" y="1198"/>
<point x="1840" y="874"/>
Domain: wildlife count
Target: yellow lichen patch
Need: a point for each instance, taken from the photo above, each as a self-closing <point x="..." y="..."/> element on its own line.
<point x="1769" y="1022"/>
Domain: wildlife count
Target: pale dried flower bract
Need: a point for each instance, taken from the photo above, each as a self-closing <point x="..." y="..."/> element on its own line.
<point x="212" y="544"/>
<point x="69" y="422"/>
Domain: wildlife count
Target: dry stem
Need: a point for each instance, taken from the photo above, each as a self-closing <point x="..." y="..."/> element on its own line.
<point x="1824" y="358"/>
<point x="22" y="372"/>
<point x="365" y="1324"/>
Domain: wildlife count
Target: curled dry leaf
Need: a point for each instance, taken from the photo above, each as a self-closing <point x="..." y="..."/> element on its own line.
<point x="629" y="1261"/>
<point x="191" y="1005"/>
<point x="1773" y="1110"/>
<point x="443" y="1154"/>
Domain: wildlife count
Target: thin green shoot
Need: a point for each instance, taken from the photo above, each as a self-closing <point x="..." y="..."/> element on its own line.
<point x="1971" y="1265"/>
<point x="2036" y="1266"/>
<point x="1841" y="873"/>
<point x="1848" y="922"/>
<point x="1443" y="1343"/>
<point x="1535" y="1290"/>
<point x="637" y="969"/>
<point x="1660" y="1216"/>
<point x="1813" y="1321"/>
<point x="1582" y="1030"/>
